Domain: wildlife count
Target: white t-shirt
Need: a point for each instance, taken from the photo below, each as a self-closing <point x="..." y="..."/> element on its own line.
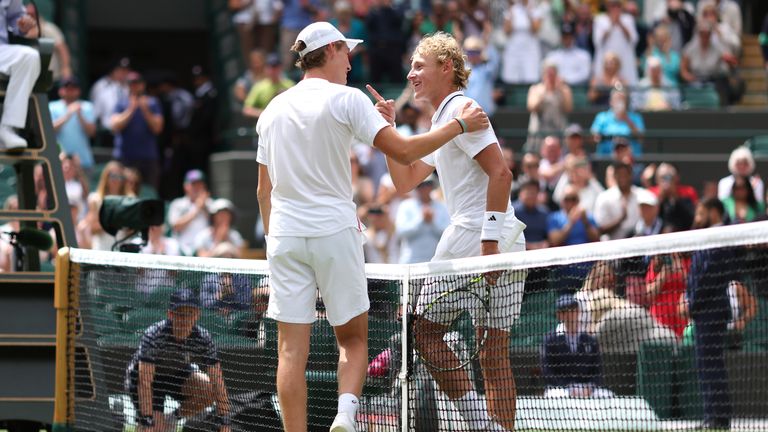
<point x="608" y="208"/>
<point x="464" y="183"/>
<point x="186" y="238"/>
<point x="574" y="64"/>
<point x="305" y="135"/>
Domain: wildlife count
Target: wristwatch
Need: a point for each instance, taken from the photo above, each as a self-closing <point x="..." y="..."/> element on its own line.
<point x="146" y="421"/>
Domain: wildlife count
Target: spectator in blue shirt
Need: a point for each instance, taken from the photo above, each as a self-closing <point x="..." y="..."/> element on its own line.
<point x="419" y="223"/>
<point x="74" y="121"/>
<point x="484" y="63"/>
<point x="533" y="215"/>
<point x="137" y="122"/>
<point x="571" y="224"/>
<point x="618" y="121"/>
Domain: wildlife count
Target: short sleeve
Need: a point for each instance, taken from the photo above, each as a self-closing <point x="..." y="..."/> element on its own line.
<point x="210" y="355"/>
<point x="261" y="152"/>
<point x="155" y="107"/>
<point x="120" y="106"/>
<point x="429" y="159"/>
<point x="88" y="112"/>
<point x="358" y="113"/>
<point x="236" y="238"/>
<point x="53" y="107"/>
<point x="637" y="119"/>
<point x="591" y="220"/>
<point x="473" y="143"/>
<point x="174" y="211"/>
<point x="149" y="347"/>
<point x="597" y="125"/>
<point x="552" y="222"/>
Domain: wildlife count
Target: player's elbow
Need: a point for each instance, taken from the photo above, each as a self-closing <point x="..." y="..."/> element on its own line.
<point x="501" y="176"/>
<point x="403" y="155"/>
<point x="262" y="194"/>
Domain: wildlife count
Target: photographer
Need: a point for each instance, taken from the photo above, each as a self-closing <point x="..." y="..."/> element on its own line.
<point x="177" y="358"/>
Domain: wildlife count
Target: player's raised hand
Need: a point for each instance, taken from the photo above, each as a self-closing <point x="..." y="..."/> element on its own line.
<point x="385" y="107"/>
<point x="474" y="117"/>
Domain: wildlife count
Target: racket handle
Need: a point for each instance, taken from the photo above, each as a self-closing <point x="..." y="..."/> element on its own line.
<point x="408" y="346"/>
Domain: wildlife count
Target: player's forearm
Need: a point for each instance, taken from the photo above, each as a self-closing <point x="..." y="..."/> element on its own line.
<point x="264" y="197"/>
<point x="88" y="127"/>
<point x="146" y="376"/>
<point x="499" y="189"/>
<point x="120" y="121"/>
<point x="403" y="175"/>
<point x="59" y="122"/>
<point x="557" y="237"/>
<point x="222" y="398"/>
<point x="154" y="121"/>
<point x="592" y="233"/>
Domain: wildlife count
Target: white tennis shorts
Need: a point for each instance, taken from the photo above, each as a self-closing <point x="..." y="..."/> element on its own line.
<point x="506" y="295"/>
<point x="299" y="266"/>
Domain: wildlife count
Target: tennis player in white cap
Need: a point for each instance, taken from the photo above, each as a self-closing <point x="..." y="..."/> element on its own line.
<point x="305" y="199"/>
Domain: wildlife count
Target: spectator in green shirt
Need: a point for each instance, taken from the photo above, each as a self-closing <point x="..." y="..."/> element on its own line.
<point x="265" y="90"/>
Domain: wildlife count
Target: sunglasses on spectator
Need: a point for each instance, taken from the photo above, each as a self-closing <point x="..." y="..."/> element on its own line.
<point x="115" y="176"/>
<point x="571" y="198"/>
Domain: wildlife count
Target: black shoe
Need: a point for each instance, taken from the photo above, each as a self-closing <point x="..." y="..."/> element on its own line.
<point x="721" y="425"/>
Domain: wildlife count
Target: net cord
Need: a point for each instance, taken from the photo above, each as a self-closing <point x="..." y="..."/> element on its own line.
<point x="718" y="237"/>
<point x="725" y="236"/>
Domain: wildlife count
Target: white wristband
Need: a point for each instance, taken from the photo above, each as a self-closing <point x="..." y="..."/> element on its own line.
<point x="493" y="222"/>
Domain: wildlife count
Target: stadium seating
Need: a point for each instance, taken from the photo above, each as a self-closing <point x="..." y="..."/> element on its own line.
<point x="537" y="318"/>
<point x="516" y="96"/>
<point x="758" y="144"/>
<point x="700" y="97"/>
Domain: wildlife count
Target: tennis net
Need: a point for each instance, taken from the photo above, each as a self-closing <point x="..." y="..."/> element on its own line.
<point x="653" y="333"/>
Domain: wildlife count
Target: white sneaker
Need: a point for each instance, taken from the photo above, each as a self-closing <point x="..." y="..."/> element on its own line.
<point x="342" y="423"/>
<point x="11" y="140"/>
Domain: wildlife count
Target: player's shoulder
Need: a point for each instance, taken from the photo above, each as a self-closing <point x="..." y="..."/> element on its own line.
<point x="347" y="93"/>
<point x="457" y="102"/>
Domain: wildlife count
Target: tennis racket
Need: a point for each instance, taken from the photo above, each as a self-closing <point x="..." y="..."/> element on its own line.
<point x="473" y="296"/>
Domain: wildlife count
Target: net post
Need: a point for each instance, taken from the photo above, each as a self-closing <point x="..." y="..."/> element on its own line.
<point x="64" y="382"/>
<point x="405" y="349"/>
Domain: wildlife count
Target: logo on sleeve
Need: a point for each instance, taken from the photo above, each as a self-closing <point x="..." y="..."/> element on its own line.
<point x="492" y="218"/>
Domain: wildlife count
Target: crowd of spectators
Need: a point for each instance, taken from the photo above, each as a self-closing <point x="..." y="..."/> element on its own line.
<point x="600" y="45"/>
<point x="630" y="59"/>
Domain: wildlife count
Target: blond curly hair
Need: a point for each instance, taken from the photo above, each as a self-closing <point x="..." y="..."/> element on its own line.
<point x="445" y="48"/>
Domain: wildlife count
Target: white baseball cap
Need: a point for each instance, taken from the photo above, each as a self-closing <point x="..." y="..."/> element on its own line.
<point x="644" y="196"/>
<point x="320" y="34"/>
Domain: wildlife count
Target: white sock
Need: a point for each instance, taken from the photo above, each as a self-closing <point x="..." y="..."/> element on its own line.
<point x="472" y="407"/>
<point x="348" y="404"/>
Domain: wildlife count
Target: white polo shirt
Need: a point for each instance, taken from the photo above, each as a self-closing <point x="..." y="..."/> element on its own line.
<point x="305" y="136"/>
<point x="608" y="208"/>
<point x="464" y="183"/>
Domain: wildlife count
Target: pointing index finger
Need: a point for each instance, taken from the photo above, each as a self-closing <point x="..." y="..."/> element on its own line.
<point x="374" y="93"/>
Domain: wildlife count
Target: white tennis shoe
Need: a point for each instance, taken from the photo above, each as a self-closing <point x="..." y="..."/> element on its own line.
<point x="10" y="140"/>
<point x="342" y="423"/>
